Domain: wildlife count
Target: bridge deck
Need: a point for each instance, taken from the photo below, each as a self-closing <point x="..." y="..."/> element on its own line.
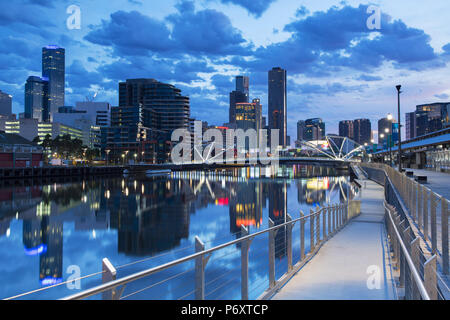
<point x="339" y="270"/>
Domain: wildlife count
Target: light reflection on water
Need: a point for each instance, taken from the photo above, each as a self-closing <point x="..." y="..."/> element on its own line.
<point x="44" y="229"/>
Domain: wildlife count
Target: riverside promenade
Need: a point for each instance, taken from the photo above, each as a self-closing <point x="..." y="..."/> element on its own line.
<point x="347" y="264"/>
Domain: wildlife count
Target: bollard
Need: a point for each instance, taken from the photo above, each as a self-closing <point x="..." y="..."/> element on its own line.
<point x="245" y="245"/>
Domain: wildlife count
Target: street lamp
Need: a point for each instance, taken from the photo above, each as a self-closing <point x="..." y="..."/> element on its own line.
<point x="135" y="156"/>
<point x="398" y="87"/>
<point x="382" y="137"/>
<point x="123" y="158"/>
<point x="389" y="141"/>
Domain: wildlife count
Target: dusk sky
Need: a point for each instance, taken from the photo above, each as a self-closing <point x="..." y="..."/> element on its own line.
<point x="337" y="67"/>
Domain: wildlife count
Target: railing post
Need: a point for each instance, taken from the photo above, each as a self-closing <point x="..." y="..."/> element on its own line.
<point x="433" y="226"/>
<point x="199" y="271"/>
<point x="271" y="255"/>
<point x="330" y="210"/>
<point x="318" y="225"/>
<point x="408" y="274"/>
<point x="324" y="223"/>
<point x="302" y="236"/>
<point x="415" y="256"/>
<point x="419" y="207"/>
<point x="245" y="245"/>
<point x="333" y="208"/>
<point x="109" y="274"/>
<point x="289" y="242"/>
<point x="414" y="204"/>
<point x="425" y="214"/>
<point x="444" y="235"/>
<point x="430" y="277"/>
<point x="311" y="230"/>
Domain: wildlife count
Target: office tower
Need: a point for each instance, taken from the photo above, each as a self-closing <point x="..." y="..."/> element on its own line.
<point x="384" y="124"/>
<point x="241" y="94"/>
<point x="410" y="120"/>
<point x="162" y="104"/>
<point x="5" y="104"/>
<point x="53" y="69"/>
<point x="301" y="126"/>
<point x="36" y="98"/>
<point x="314" y="129"/>
<point x="248" y="115"/>
<point x="277" y="105"/>
<point x="346" y="128"/>
<point x="362" y="131"/>
<point x="430" y="118"/>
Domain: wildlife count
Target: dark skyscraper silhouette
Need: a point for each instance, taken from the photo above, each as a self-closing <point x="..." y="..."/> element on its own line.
<point x="278" y="103"/>
<point x="240" y="95"/>
<point x="53" y="69"/>
<point x="362" y="131"/>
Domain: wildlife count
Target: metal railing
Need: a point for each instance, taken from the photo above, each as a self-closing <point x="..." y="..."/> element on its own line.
<point x="323" y="223"/>
<point x="426" y="210"/>
<point x="408" y="259"/>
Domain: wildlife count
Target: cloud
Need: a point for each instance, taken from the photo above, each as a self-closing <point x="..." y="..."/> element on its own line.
<point x="131" y="33"/>
<point x="366" y="77"/>
<point x="254" y="7"/>
<point x="442" y="96"/>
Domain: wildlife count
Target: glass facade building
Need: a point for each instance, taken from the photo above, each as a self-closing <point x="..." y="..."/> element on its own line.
<point x="278" y="103"/>
<point x="53" y="69"/>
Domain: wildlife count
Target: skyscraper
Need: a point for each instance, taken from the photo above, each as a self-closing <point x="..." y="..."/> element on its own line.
<point x="278" y="103"/>
<point x="314" y="129"/>
<point x="410" y="125"/>
<point x="36" y="98"/>
<point x="241" y="94"/>
<point x="53" y="69"/>
<point x="362" y="131"/>
<point x="346" y="128"/>
<point x="5" y="104"/>
<point x="301" y="130"/>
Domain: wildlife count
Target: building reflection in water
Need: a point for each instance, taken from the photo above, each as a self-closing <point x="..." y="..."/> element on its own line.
<point x="152" y="215"/>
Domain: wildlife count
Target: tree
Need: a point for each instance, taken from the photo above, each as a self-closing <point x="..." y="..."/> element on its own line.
<point x="36" y="140"/>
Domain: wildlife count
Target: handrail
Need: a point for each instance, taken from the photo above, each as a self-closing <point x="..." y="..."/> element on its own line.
<point x="138" y="275"/>
<point x="415" y="273"/>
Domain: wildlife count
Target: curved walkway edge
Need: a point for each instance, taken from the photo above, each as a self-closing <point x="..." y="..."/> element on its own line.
<point x="354" y="264"/>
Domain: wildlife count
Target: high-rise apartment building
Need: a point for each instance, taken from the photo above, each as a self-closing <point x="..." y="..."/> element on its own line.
<point x="53" y="69"/>
<point x="277" y="104"/>
<point x="314" y="129"/>
<point x="346" y="129"/>
<point x="36" y="98"/>
<point x="5" y="104"/>
<point x="362" y="131"/>
<point x="241" y="94"/>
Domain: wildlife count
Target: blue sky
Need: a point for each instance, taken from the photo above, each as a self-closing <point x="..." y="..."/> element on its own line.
<point x="337" y="67"/>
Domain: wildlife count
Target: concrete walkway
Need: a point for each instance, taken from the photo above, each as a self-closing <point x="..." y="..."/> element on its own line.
<point x="342" y="267"/>
<point x="439" y="182"/>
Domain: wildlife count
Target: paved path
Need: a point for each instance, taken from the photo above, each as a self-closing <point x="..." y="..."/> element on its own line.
<point x="339" y="269"/>
<point x="439" y="182"/>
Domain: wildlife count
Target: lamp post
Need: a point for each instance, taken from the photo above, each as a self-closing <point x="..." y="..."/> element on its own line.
<point x="382" y="137"/>
<point x="399" y="130"/>
<point x="389" y="137"/>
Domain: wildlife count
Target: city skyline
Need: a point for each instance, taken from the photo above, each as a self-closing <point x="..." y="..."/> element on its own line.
<point x="333" y="87"/>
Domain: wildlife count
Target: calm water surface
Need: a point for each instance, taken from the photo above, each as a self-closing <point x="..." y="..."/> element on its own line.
<point x="49" y="231"/>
